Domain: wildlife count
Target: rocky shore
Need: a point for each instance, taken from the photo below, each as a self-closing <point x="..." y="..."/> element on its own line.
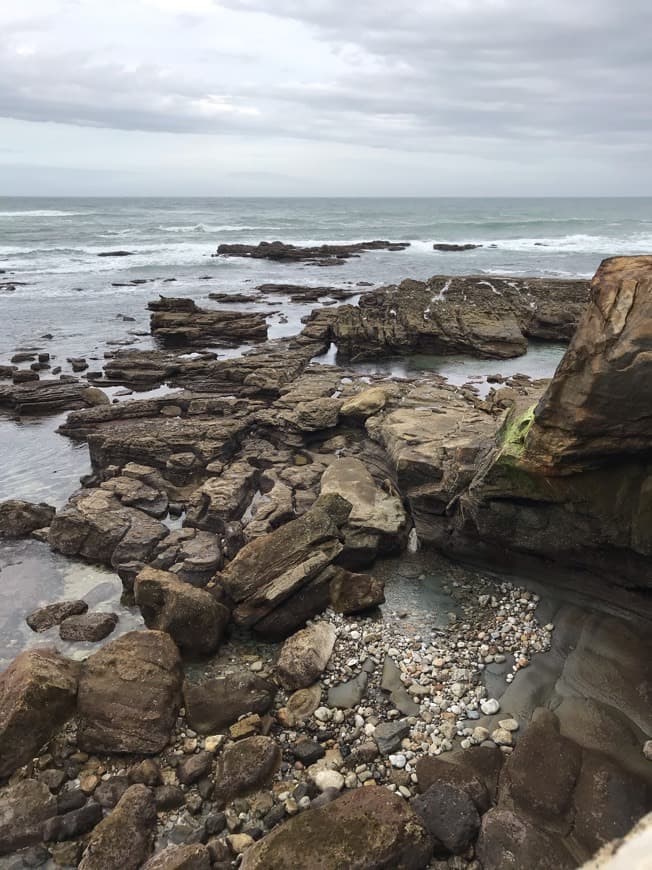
<point x="280" y="707"/>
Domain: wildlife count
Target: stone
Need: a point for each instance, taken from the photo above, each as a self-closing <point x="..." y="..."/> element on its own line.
<point x="24" y="809"/>
<point x="189" y="857"/>
<point x="72" y="824"/>
<point x="326" y="779"/>
<point x="320" y="254"/>
<point x="490" y="706"/>
<point x="354" y="593"/>
<point x="129" y="694"/>
<point x="93" y="396"/>
<point x="510" y="842"/>
<point x="213" y="705"/>
<point x="377" y="524"/>
<point x="348" y="695"/>
<point x="388" y="736"/>
<point x="37" y="695"/>
<point x="90" y="627"/>
<point x="449" y="815"/>
<point x="365" y="404"/>
<point x="20" y="518"/>
<point x="194" y="768"/>
<point x="191" y="616"/>
<point x="244" y="767"/>
<point x="391" y="682"/>
<point x="647" y="750"/>
<point x="366" y="828"/>
<point x="147" y="772"/>
<point x="168" y="797"/>
<point x="433" y="770"/>
<point x="174" y="323"/>
<point x="308" y="751"/>
<point x="304" y="656"/>
<point x="124" y="840"/>
<point x="53" y="614"/>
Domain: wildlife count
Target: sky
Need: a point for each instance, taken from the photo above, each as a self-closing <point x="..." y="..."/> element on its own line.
<point x="326" y="97"/>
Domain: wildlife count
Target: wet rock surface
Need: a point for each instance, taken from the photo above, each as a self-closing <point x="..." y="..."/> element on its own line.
<point x="319" y="254"/>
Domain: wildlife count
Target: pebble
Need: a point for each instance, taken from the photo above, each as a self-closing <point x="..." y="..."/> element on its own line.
<point x="501" y="737"/>
<point x="398" y="760"/>
<point x="490" y="706"/>
<point x="647" y="750"/>
<point x="325" y="779"/>
<point x="508" y="724"/>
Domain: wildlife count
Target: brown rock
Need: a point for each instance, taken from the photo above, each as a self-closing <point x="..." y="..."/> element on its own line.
<point x="355" y="593"/>
<point x="129" y="694"/>
<point x="90" y="627"/>
<point x="304" y="656"/>
<point x="124" y="840"/>
<point x="53" y="614"/>
<point x="24" y="809"/>
<point x="190" y="857"/>
<point x="213" y="705"/>
<point x="20" y="518"/>
<point x="509" y="842"/>
<point x="244" y="767"/>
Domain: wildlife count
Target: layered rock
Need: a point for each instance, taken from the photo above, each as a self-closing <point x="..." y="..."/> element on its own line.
<point x="20" y="518"/>
<point x="320" y="254"/>
<point x="125" y="839"/>
<point x="485" y="317"/>
<point x="569" y="479"/>
<point x="181" y="322"/>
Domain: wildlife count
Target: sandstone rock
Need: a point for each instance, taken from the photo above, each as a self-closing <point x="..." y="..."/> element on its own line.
<point x="37" y="695"/>
<point x="190" y="857"/>
<point x="24" y="809"/>
<point x="181" y="322"/>
<point x="20" y="518"/>
<point x="53" y="614"/>
<point x="365" y="829"/>
<point x="377" y="524"/>
<point x="449" y="815"/>
<point x="509" y="842"/>
<point x="129" y="694"/>
<point x="124" y="840"/>
<point x="244" y="767"/>
<point x="304" y="656"/>
<point x="292" y="614"/>
<point x="364" y="404"/>
<point x="191" y="616"/>
<point x="195" y="767"/>
<point x="213" y="705"/>
<point x="355" y="593"/>
<point x="273" y="567"/>
<point x="193" y="556"/>
<point x="90" y="627"/>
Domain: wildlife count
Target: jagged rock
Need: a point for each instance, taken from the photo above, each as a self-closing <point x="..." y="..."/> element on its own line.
<point x="191" y="555"/>
<point x="181" y="322"/>
<point x="124" y="840"/>
<point x="321" y="254"/>
<point x="314" y="415"/>
<point x="377" y="524"/>
<point x="42" y="397"/>
<point x="475" y="770"/>
<point x="96" y="526"/>
<point x="24" y="809"/>
<point x="72" y="824"/>
<point x="448" y="246"/>
<point x="273" y="567"/>
<point x="366" y="828"/>
<point x="53" y="614"/>
<point x="388" y="735"/>
<point x="213" y="705"/>
<point x="89" y="627"/>
<point x="245" y="766"/>
<point x="355" y="593"/>
<point x="20" y="518"/>
<point x="220" y="500"/>
<point x="132" y="492"/>
<point x="191" y="616"/>
<point x="292" y="614"/>
<point x="449" y="815"/>
<point x="189" y="857"/>
<point x="37" y="695"/>
<point x="129" y="694"/>
<point x="304" y="656"/>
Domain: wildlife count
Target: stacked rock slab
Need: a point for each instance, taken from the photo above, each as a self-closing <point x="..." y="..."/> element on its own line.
<point x="571" y="479"/>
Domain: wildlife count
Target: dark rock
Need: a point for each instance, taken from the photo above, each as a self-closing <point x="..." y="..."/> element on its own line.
<point x="73" y="799"/>
<point x="213" y="705"/>
<point x="308" y="751"/>
<point x="53" y="778"/>
<point x="24" y="809"/>
<point x="129" y="694"/>
<point x="192" y="617"/>
<point x="174" y="322"/>
<point x="349" y="694"/>
<point x="20" y="518"/>
<point x="188" y="857"/>
<point x="53" y="614"/>
<point x="447" y="246"/>
<point x="124" y="840"/>
<point x="509" y="842"/>
<point x="321" y="254"/>
<point x="388" y="735"/>
<point x="244" y="767"/>
<point x="90" y="627"/>
<point x="72" y="824"/>
<point x="169" y="797"/>
<point x="366" y="828"/>
<point x="449" y="815"/>
<point x="194" y="768"/>
<point x="147" y="772"/>
<point x="432" y="770"/>
<point x="355" y="593"/>
<point x="115" y="254"/>
<point x="109" y="791"/>
<point x="37" y="695"/>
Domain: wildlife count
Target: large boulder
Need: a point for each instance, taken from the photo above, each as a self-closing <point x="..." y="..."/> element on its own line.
<point x="272" y="568"/>
<point x="569" y="478"/>
<point x="213" y="705"/>
<point x="123" y="840"/>
<point x="355" y="593"/>
<point x="194" y="856"/>
<point x="20" y="518"/>
<point x="191" y="616"/>
<point x="37" y="695"/>
<point x="304" y="656"/>
<point x="449" y="815"/>
<point x="129" y="694"/>
<point x="377" y="524"/>
<point x="510" y="842"/>
<point x="24" y="809"/>
<point x="366" y="829"/>
<point x="245" y="766"/>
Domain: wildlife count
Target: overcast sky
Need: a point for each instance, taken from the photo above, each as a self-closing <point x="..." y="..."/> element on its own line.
<point x="318" y="97"/>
